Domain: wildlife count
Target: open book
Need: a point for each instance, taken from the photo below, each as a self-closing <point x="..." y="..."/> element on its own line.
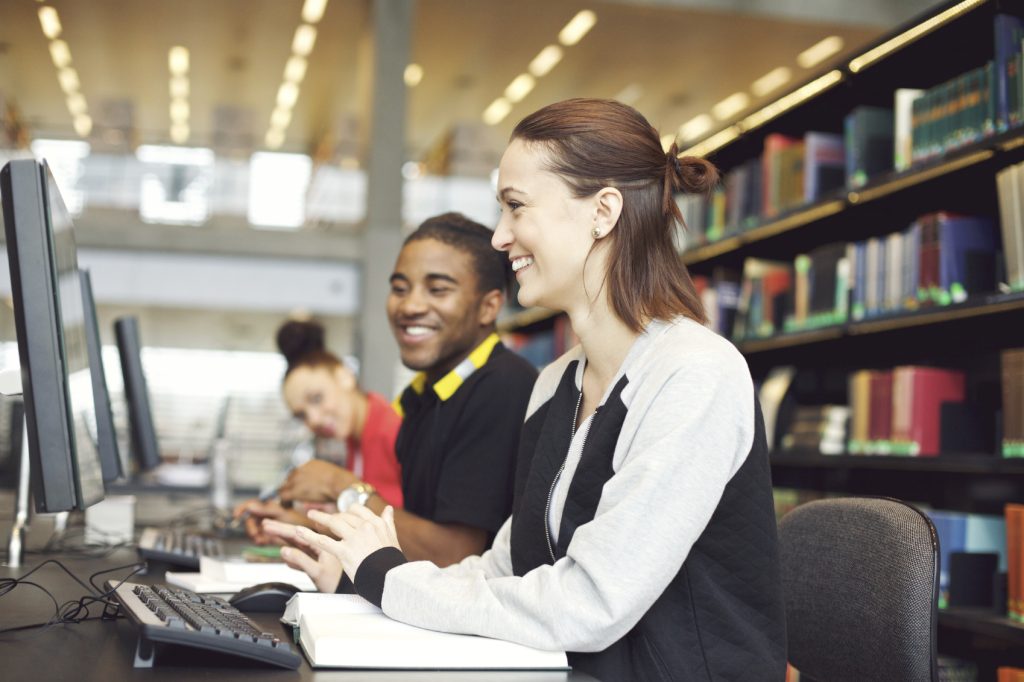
<point x="346" y="631"/>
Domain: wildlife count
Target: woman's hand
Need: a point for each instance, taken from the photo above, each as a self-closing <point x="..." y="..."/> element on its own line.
<point x="322" y="567"/>
<point x="316" y="481"/>
<point x="361" y="531"/>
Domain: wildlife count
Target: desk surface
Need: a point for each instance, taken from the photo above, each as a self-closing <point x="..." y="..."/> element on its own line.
<point x="104" y="650"/>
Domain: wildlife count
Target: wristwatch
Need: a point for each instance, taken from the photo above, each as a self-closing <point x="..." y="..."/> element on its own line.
<point x="357" y="493"/>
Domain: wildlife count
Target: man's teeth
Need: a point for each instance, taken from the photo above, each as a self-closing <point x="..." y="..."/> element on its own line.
<point x="521" y="262"/>
<point x="417" y="331"/>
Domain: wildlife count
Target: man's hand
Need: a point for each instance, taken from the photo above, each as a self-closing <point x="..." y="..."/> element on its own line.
<point x="323" y="568"/>
<point x="361" y="531"/>
<point x="254" y="511"/>
<point x="316" y="481"/>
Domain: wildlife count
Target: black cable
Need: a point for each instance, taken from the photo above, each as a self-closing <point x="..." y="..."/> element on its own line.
<point x="72" y="611"/>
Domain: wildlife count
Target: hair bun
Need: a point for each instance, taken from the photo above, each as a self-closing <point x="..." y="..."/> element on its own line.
<point x="298" y="338"/>
<point x="696" y="176"/>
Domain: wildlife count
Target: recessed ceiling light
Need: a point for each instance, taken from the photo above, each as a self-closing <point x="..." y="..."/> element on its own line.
<point x="730" y="106"/>
<point x="281" y="118"/>
<point x="179" y="110"/>
<point x="630" y="94"/>
<point x="497" y="111"/>
<point x="312" y="10"/>
<point x="287" y="95"/>
<point x="83" y="125"/>
<point x="60" y="53"/>
<point x="577" y="27"/>
<point x="68" y="80"/>
<point x="295" y="69"/>
<point x="413" y="75"/>
<point x="177" y="60"/>
<point x="76" y="104"/>
<point x="179" y="87"/>
<point x="695" y="127"/>
<point x="520" y="87"/>
<point x="819" y="52"/>
<point x="50" y="22"/>
<point x="771" y="81"/>
<point x="274" y="138"/>
<point x="545" y="60"/>
<point x="304" y="40"/>
<point x="180" y="133"/>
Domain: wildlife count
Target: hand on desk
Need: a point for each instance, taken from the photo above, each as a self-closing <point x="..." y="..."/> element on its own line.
<point x="316" y="481"/>
<point x="323" y="568"/>
<point x="255" y="510"/>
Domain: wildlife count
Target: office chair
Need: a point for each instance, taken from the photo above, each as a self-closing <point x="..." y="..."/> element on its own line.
<point x="860" y="578"/>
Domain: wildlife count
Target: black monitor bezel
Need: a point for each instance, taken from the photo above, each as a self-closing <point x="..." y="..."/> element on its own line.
<point x="144" y="448"/>
<point x="106" y="434"/>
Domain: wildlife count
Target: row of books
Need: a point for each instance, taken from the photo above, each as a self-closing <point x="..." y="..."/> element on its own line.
<point x="1012" y="365"/>
<point x="940" y="259"/>
<point x="817" y="428"/>
<point x="1015" y="561"/>
<point x="901" y="411"/>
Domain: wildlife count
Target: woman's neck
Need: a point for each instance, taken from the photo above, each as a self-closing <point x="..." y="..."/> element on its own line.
<point x="606" y="341"/>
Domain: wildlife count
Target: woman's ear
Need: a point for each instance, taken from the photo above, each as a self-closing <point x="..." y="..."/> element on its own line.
<point x="345" y="377"/>
<point x="609" y="208"/>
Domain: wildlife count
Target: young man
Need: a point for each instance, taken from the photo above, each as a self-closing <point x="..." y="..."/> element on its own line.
<point x="462" y="412"/>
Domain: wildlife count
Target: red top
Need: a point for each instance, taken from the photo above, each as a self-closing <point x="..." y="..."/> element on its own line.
<point x="377" y="450"/>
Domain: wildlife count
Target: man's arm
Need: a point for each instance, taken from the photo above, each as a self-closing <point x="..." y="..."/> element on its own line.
<point x="441" y="543"/>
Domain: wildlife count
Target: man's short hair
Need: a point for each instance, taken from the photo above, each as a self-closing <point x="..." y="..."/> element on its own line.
<point x="493" y="268"/>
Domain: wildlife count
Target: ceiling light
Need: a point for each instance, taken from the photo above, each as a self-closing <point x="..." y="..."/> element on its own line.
<point x="695" y="127"/>
<point x="83" y="125"/>
<point x="177" y="60"/>
<point x="577" y="27"/>
<point x="68" y="80"/>
<point x="76" y="104"/>
<point x="295" y="69"/>
<point x="281" y="118"/>
<point x="305" y="38"/>
<point x="819" y="52"/>
<point x="771" y="81"/>
<point x="520" y="87"/>
<point x="497" y="111"/>
<point x="275" y="138"/>
<point x="179" y="110"/>
<point x="50" y="22"/>
<point x="60" y="53"/>
<point x="545" y="60"/>
<point x="287" y="95"/>
<point x="179" y="87"/>
<point x="179" y="133"/>
<point x="630" y="94"/>
<point x="312" y="10"/>
<point x="413" y="75"/>
<point x="666" y="141"/>
<point x="730" y="106"/>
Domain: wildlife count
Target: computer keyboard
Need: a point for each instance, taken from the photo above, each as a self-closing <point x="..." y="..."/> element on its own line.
<point x="170" y="615"/>
<point x="178" y="547"/>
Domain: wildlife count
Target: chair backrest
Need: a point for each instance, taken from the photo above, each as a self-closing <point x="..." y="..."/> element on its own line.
<point x="860" y="578"/>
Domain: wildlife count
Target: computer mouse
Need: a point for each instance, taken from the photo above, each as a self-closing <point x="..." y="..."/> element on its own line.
<point x="264" y="598"/>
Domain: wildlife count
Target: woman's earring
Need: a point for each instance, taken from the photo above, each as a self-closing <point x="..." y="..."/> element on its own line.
<point x="596" y="233"/>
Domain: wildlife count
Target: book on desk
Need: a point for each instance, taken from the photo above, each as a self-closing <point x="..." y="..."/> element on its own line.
<point x="346" y="631"/>
<point x="232" y="574"/>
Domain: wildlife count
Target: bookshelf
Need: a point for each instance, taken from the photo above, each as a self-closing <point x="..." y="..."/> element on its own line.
<point x="951" y="44"/>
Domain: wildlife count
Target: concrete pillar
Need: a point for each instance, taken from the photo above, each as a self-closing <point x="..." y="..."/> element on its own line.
<point x="384" y="56"/>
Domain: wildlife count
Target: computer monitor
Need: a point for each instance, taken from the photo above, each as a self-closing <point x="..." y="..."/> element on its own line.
<point x="144" y="448"/>
<point x="106" y="436"/>
<point x="11" y="420"/>
<point x="49" y="319"/>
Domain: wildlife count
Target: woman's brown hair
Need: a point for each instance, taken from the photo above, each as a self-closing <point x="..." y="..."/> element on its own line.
<point x="596" y="143"/>
<point x="301" y="342"/>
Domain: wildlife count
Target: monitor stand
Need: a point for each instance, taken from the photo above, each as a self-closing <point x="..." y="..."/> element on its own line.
<point x="10" y="385"/>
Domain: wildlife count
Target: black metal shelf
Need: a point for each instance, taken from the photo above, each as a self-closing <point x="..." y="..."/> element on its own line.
<point x="983" y="623"/>
<point x="987" y="464"/>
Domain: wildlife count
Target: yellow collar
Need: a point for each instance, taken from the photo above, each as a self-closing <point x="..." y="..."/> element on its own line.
<point x="446" y="386"/>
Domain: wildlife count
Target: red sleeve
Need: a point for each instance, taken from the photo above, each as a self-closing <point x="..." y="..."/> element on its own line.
<point x="380" y="465"/>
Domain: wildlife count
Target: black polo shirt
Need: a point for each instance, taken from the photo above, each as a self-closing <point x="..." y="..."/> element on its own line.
<point x="460" y="437"/>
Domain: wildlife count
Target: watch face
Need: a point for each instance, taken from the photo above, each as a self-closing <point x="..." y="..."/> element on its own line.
<point x="347" y="498"/>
